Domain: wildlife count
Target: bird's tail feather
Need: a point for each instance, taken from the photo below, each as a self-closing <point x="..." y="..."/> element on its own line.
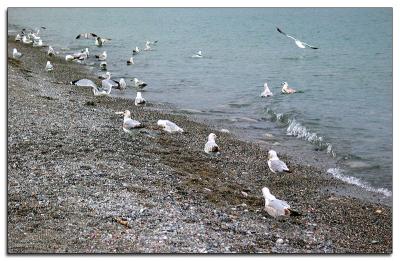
<point x="294" y="213"/>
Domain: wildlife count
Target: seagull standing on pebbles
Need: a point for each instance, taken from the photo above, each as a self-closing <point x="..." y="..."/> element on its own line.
<point x="275" y="164"/>
<point x="129" y="124"/>
<point x="266" y="92"/>
<point x="16" y="54"/>
<point x="276" y="207"/>
<point x="211" y="146"/>
<point x="169" y="126"/>
<point x="49" y="66"/>
<point x="139" y="100"/>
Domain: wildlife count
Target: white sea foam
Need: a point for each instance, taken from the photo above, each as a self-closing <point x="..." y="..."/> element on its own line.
<point x="338" y="173"/>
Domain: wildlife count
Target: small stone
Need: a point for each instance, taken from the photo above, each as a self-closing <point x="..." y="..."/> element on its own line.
<point x="378" y="211"/>
<point x="279" y="241"/>
<point x="244" y="194"/>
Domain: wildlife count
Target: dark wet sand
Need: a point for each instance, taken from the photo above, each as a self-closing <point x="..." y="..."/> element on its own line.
<point x="78" y="184"/>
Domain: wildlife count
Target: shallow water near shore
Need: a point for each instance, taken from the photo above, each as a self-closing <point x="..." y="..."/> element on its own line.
<point x="343" y="119"/>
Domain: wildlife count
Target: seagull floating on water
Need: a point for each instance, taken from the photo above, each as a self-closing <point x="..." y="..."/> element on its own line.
<point x="103" y="65"/>
<point x="299" y="43"/>
<point x="136" y="50"/>
<point x="266" y="92"/>
<point x="16" y="54"/>
<point x="85" y="36"/>
<point x="169" y="126"/>
<point x="129" y="124"/>
<point x="275" y="164"/>
<point x="139" y="100"/>
<point x="276" y="207"/>
<point x="198" y="55"/>
<point x="130" y="61"/>
<point x="102" y="57"/>
<point x="147" y="47"/>
<point x="100" y="41"/>
<point x="49" y="66"/>
<point x="211" y="146"/>
<point x="121" y="84"/>
<point x="286" y="89"/>
<point x="140" y="84"/>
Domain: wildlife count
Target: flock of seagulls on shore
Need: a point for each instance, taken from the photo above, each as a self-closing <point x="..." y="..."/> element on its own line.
<point x="273" y="206"/>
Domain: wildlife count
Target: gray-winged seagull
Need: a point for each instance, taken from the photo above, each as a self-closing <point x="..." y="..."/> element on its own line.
<point x="299" y="43"/>
<point x="275" y="164"/>
<point x="276" y="207"/>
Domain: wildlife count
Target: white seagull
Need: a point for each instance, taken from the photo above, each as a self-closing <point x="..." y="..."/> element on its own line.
<point x="276" y="207"/>
<point x="129" y="124"/>
<point x="147" y="47"/>
<point x="299" y="43"/>
<point x="169" y="126"/>
<point x="130" y="61"/>
<point x="266" y="92"/>
<point x="16" y="54"/>
<point x="51" y="51"/>
<point x="139" y="100"/>
<point x="106" y="92"/>
<point x="103" y="65"/>
<point x="102" y="57"/>
<point x="275" y="164"/>
<point x="83" y="82"/>
<point x="18" y="38"/>
<point x="286" y="89"/>
<point x="100" y="41"/>
<point x="49" y="66"/>
<point x="140" y="84"/>
<point x="38" y="43"/>
<point x="26" y="40"/>
<point x="211" y="146"/>
<point x="197" y="55"/>
<point x="136" y="50"/>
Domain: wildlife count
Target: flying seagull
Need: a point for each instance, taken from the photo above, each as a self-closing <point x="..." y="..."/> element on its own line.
<point x="85" y="35"/>
<point x="276" y="207"/>
<point x="299" y="43"/>
<point x="275" y="164"/>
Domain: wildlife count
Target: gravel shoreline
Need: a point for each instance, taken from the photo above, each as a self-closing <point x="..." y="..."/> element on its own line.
<point x="78" y="184"/>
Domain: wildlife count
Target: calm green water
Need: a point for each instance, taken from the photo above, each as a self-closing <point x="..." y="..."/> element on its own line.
<point x="343" y="120"/>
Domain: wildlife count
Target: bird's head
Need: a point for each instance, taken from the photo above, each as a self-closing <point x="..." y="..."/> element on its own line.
<point x="272" y="154"/>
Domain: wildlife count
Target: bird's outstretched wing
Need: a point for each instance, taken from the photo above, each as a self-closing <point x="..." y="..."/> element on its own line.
<point x="310" y="46"/>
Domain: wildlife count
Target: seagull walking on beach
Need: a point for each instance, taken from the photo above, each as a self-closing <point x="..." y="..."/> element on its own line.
<point x="130" y="61"/>
<point x="299" y="43"/>
<point x="286" y="89"/>
<point x="198" y="55"/>
<point x="102" y="56"/>
<point x="139" y="84"/>
<point x="129" y="124"/>
<point x="266" y="92"/>
<point x="85" y="36"/>
<point x="276" y="207"/>
<point x="139" y="100"/>
<point x="211" y="146"/>
<point x="275" y="164"/>
<point x="49" y="66"/>
<point x="169" y="126"/>
<point x="16" y="54"/>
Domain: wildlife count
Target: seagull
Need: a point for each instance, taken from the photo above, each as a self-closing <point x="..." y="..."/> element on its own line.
<point x="275" y="164"/>
<point x="299" y="43"/>
<point x="102" y="57"/>
<point x="130" y="61"/>
<point x="16" y="54"/>
<point x="38" y="43"/>
<point x="136" y="50"/>
<point x="69" y="57"/>
<point x="100" y="41"/>
<point x="211" y="146"/>
<point x="26" y="40"/>
<point x="147" y="47"/>
<point x="197" y="55"/>
<point x="140" y="84"/>
<point x="103" y="65"/>
<point x="86" y="51"/>
<point x="106" y="92"/>
<point x="121" y="84"/>
<point x="266" y="92"/>
<point x="85" y="35"/>
<point x="49" y="66"/>
<point x="129" y="124"/>
<point x="51" y="51"/>
<point x="18" y="38"/>
<point x="139" y="100"/>
<point x="107" y="75"/>
<point x="151" y="43"/>
<point x="169" y="126"/>
<point x="83" y="82"/>
<point x="276" y="207"/>
<point x="286" y="89"/>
